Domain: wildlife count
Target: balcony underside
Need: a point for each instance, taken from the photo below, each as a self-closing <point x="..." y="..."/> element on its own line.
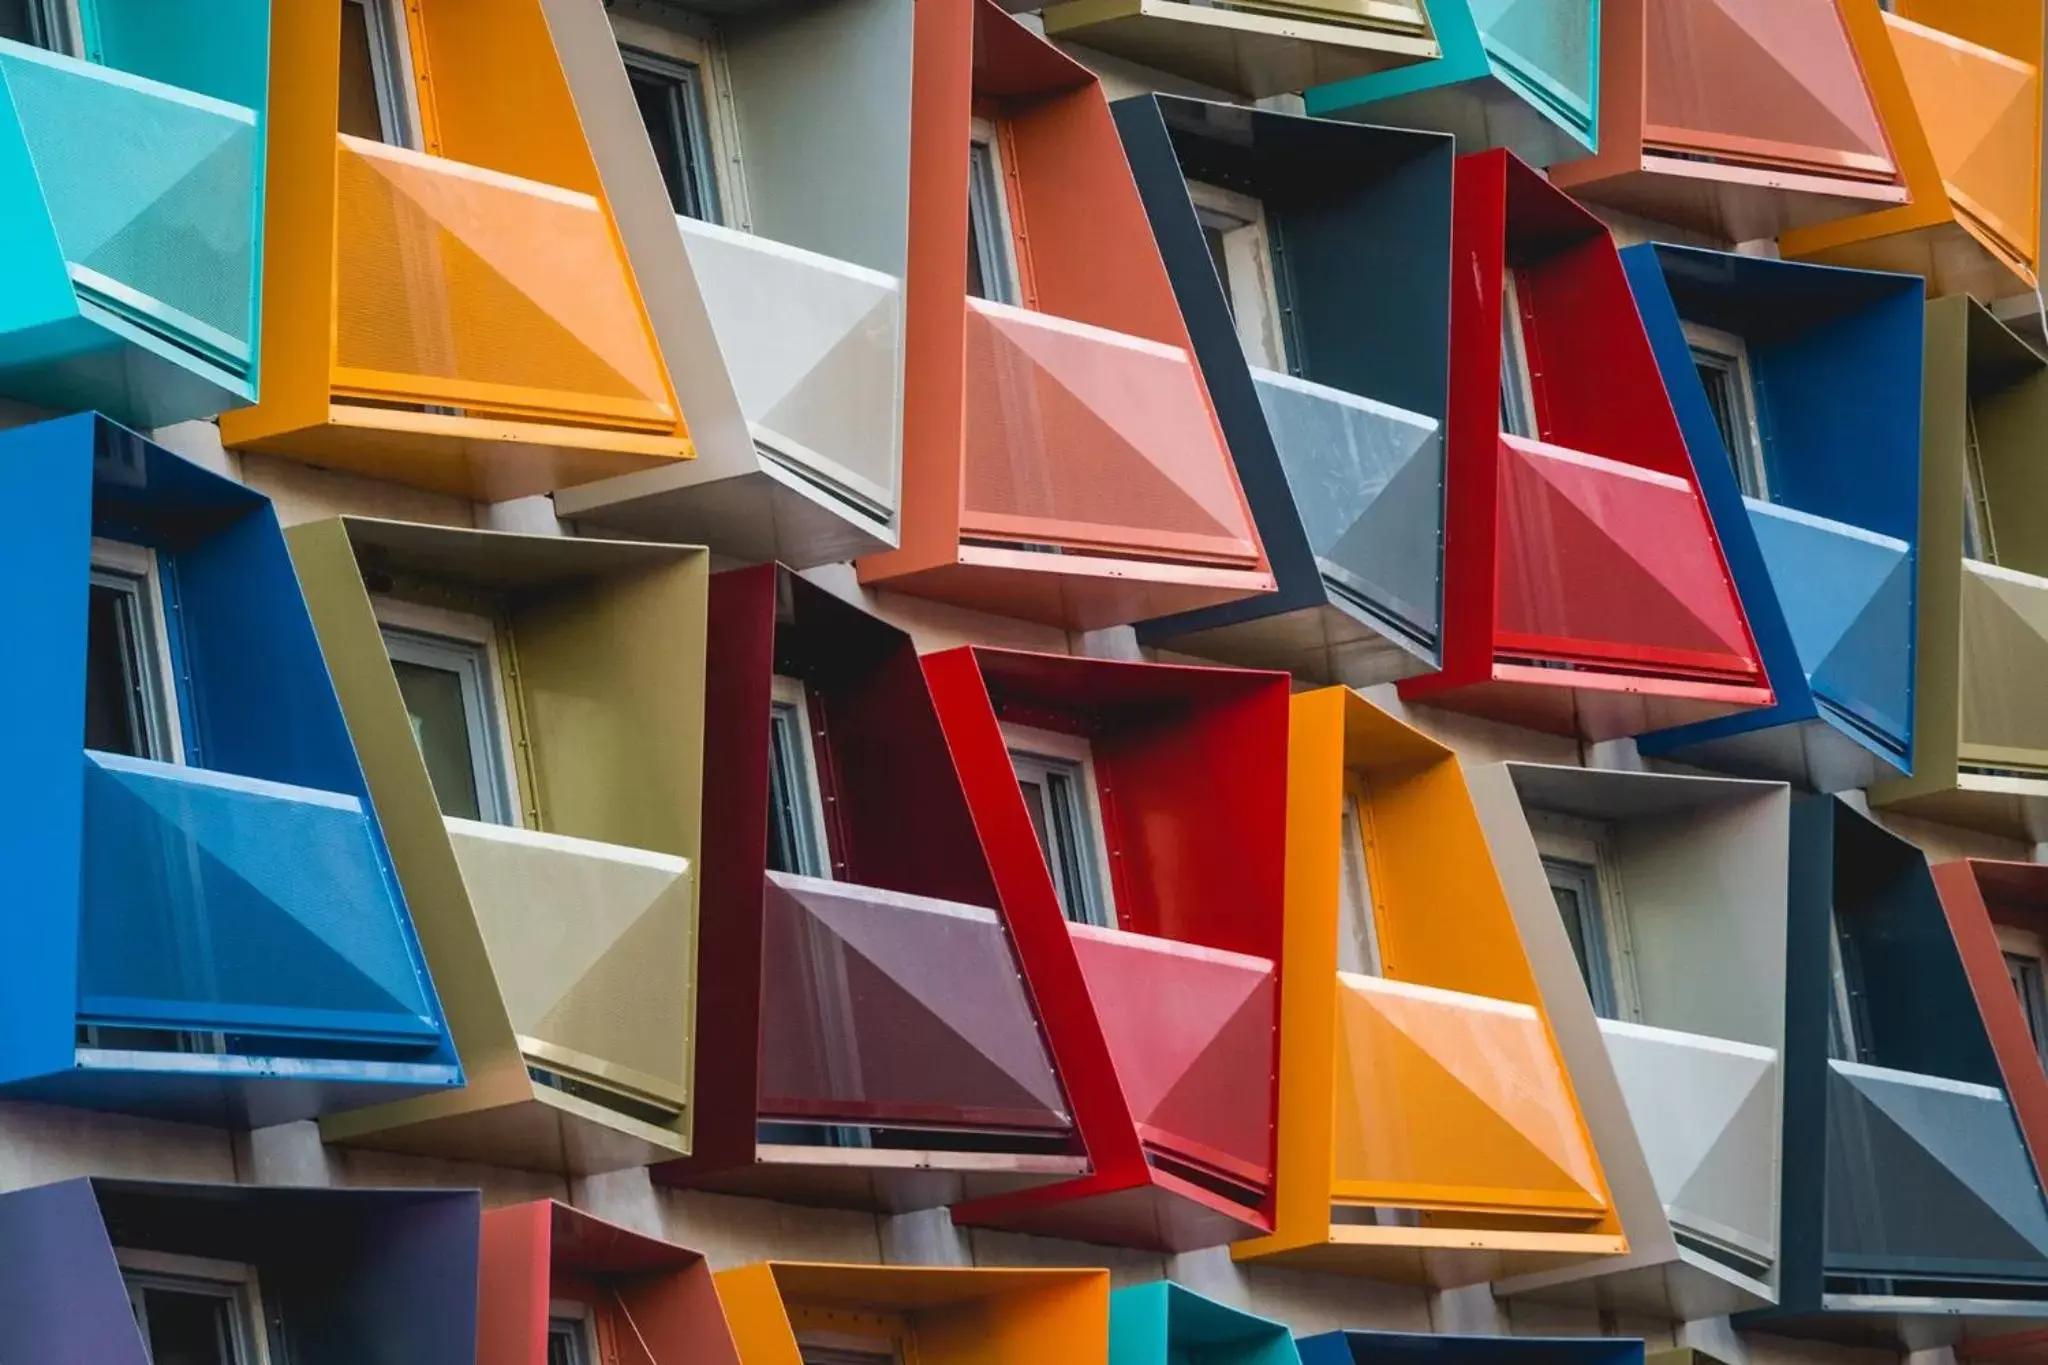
<point x="494" y="1124"/>
<point x="1738" y="203"/>
<point x="1250" y="49"/>
<point x="894" y="1181"/>
<point x="1446" y="1257"/>
<point x="1321" y="644"/>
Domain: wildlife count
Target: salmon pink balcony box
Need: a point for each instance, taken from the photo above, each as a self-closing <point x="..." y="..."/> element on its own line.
<point x="1061" y="460"/>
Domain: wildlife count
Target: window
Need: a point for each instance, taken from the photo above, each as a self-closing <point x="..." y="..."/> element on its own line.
<point x="1979" y="543"/>
<point x="446" y="669"/>
<point x="843" y="1336"/>
<point x="796" y="808"/>
<point x="991" y="269"/>
<point x="51" y="24"/>
<point x="1848" y="1037"/>
<point x="378" y="100"/>
<point x="670" y="94"/>
<point x="1585" y="883"/>
<point x="1241" y="249"/>
<point x="1057" y="777"/>
<point x="569" y="1336"/>
<point x="2023" y="964"/>
<point x="1722" y="360"/>
<point x="1358" y="935"/>
<point x="194" y="1312"/>
<point x="1517" y="382"/>
<point x="129" y="708"/>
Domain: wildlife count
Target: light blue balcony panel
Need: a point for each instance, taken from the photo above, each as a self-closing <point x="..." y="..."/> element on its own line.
<point x="151" y="194"/>
<point x="1545" y="48"/>
<point x="1847" y="595"/>
<point x="226" y="905"/>
<point x="1368" y="482"/>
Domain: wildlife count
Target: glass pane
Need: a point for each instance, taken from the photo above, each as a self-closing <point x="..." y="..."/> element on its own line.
<point x="1213" y="235"/>
<point x="360" y="116"/>
<point x="988" y="257"/>
<point x="656" y="97"/>
<point x="671" y="100"/>
<point x="190" y="1328"/>
<point x="1358" y="939"/>
<point x="794" y="844"/>
<point x="116" y="683"/>
<point x="19" y="21"/>
<point x="568" y="1342"/>
<point x="441" y="727"/>
<point x="1576" y="889"/>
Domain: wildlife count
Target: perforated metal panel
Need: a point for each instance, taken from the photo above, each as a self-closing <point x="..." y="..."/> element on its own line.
<point x="1088" y="439"/>
<point x="2004" y="653"/>
<point x="219" y="902"/>
<point x="1982" y="114"/>
<point x="1368" y="483"/>
<point x="1547" y="43"/>
<point x="594" y="947"/>
<point x="815" y="350"/>
<point x="151" y="191"/>
<point x="1759" y="79"/>
<point x="461" y="287"/>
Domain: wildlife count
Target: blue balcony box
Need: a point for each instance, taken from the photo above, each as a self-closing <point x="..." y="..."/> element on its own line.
<point x="210" y="930"/>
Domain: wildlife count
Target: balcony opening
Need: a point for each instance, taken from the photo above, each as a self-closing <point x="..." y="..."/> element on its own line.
<point x="1518" y="413"/>
<point x="670" y="92"/>
<point x="572" y="1336"/>
<point x="1241" y="247"/>
<point x="447" y="667"/>
<point x="130" y="707"/>
<point x="1586" y="884"/>
<point x="796" y="808"/>
<point x="991" y="261"/>
<point x="379" y="101"/>
<point x="1056" y="774"/>
<point x="49" y="24"/>
<point x="195" y="1312"/>
<point x="1722" y="361"/>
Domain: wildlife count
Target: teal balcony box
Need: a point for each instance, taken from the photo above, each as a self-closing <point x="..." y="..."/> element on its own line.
<point x="131" y="205"/>
<point x="1519" y="74"/>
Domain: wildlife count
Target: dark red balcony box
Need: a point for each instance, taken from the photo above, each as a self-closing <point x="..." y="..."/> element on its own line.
<point x="1163" y="1021"/>
<point x="866" y="1036"/>
<point x="1585" y="591"/>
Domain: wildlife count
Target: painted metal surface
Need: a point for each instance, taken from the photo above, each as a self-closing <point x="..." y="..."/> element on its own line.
<point x="1162" y="1030"/>
<point x="854" y="988"/>
<point x="1904" y="1162"/>
<point x="459" y="317"/>
<point x="1415" y="1348"/>
<point x="949" y="1316"/>
<point x="1256" y="49"/>
<point x="1435" y="1088"/>
<point x="1682" y="1094"/>
<point x="1062" y="460"/>
<point x="1342" y="457"/>
<point x="1958" y="87"/>
<point x="1738" y="119"/>
<point x="783" y="333"/>
<point x="1827" y="567"/>
<point x="567" y="943"/>
<point x="167" y="897"/>
<point x="1585" y="589"/>
<point x="1164" y="1323"/>
<point x="1980" y="728"/>
<point x="1520" y="74"/>
<point x="135" y="193"/>
<point x="343" y="1274"/>
<point x="647" y="1301"/>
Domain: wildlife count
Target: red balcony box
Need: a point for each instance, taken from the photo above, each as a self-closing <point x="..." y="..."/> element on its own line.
<point x="1162" y="1013"/>
<point x="1585" y="591"/>
<point x="873" y="1043"/>
<point x="1061" y="458"/>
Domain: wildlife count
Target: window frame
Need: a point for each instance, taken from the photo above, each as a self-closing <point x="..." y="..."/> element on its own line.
<point x="1359" y="950"/>
<point x="1848" y="1031"/>
<point x="56" y="26"/>
<point x="789" y="697"/>
<point x="992" y="243"/>
<point x="1587" y="846"/>
<point x="1518" y="412"/>
<point x="676" y="38"/>
<point x="583" y="1325"/>
<point x="392" y="73"/>
<point x="1052" y="753"/>
<point x="142" y="1270"/>
<point x="851" y="1333"/>
<point x="689" y="85"/>
<point x="474" y="638"/>
<point x="2024" y="949"/>
<point x="1729" y="353"/>
<point x="138" y="571"/>
<point x="1249" y="279"/>
<point x="1980" y="533"/>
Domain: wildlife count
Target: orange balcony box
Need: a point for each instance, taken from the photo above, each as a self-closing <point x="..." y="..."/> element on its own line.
<point x="446" y="300"/>
<point x="1062" y="461"/>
